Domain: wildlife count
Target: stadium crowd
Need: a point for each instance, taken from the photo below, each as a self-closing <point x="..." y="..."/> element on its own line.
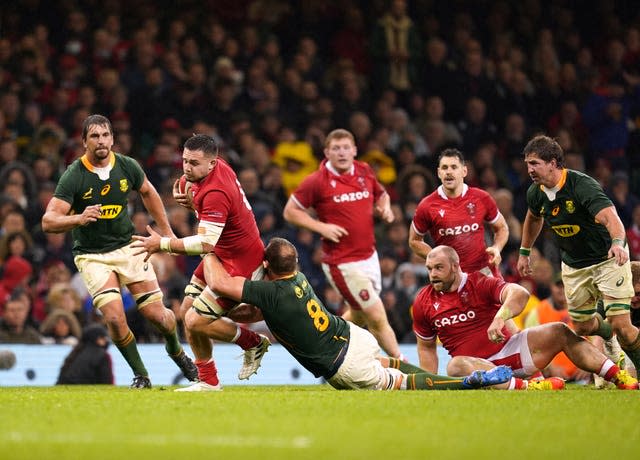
<point x="269" y="79"/>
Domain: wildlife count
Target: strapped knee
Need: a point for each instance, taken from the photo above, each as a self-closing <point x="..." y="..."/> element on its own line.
<point x="142" y="300"/>
<point x="613" y="307"/>
<point x="106" y="296"/>
<point x="193" y="290"/>
<point x="207" y="305"/>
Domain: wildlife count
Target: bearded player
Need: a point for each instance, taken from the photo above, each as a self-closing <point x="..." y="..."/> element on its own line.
<point x="226" y="224"/>
<point x="468" y="311"/>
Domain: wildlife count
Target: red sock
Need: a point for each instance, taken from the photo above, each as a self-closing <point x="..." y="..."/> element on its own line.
<point x="247" y="339"/>
<point x="207" y="371"/>
<point x="610" y="375"/>
<point x="520" y="384"/>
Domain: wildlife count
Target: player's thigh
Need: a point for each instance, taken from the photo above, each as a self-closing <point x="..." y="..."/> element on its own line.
<point x="132" y="269"/>
<point x="97" y="271"/>
<point x="353" y="283"/>
<point x="516" y="354"/>
<point x="581" y="292"/>
<point x="361" y="369"/>
<point x="616" y="285"/>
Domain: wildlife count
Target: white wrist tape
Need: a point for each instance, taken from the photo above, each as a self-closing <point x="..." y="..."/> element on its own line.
<point x="192" y="245"/>
<point x="165" y="244"/>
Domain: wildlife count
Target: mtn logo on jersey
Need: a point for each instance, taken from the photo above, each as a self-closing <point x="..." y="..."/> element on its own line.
<point x="110" y="212"/>
<point x="566" y="231"/>
<point x="351" y="196"/>
<point x="459" y="229"/>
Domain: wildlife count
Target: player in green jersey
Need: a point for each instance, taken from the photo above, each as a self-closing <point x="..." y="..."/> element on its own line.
<point x="91" y="201"/>
<point x="591" y="238"/>
<point x="347" y="356"/>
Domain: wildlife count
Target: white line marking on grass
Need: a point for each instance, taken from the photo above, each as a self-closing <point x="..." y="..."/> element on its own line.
<point x="296" y="442"/>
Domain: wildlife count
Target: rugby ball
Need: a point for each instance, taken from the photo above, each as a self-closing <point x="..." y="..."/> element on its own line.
<point x="184" y="185"/>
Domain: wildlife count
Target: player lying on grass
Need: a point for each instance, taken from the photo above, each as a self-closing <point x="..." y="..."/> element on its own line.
<point x="467" y="311"/>
<point x="347" y="356"/>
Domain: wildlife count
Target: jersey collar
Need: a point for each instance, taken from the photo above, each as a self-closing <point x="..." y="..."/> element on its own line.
<point x="443" y="195"/>
<point x="333" y="170"/>
<point x="463" y="281"/>
<point x="90" y="167"/>
<point x="559" y="185"/>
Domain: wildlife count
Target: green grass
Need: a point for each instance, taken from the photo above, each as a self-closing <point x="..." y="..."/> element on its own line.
<point x="308" y="422"/>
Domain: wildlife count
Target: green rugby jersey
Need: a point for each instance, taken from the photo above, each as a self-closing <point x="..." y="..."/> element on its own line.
<point x="571" y="218"/>
<point x="300" y="322"/>
<point x="81" y="187"/>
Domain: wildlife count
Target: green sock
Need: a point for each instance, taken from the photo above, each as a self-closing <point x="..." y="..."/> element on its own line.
<point x="172" y="343"/>
<point x="604" y="328"/>
<point x="632" y="350"/>
<point x="129" y="350"/>
<point x="428" y="381"/>
<point x="404" y="367"/>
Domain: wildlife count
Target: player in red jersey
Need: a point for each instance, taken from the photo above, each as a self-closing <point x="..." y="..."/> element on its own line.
<point x="467" y="311"/>
<point x="346" y="195"/>
<point x="455" y="215"/>
<point x="226" y="223"/>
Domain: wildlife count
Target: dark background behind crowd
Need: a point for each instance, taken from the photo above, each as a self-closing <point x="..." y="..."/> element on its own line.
<point x="269" y="79"/>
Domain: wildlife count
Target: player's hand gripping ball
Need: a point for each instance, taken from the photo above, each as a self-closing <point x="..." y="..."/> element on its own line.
<point x="184" y="185"/>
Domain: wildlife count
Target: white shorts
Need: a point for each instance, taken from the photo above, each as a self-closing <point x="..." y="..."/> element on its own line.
<point x="360" y="370"/>
<point x="516" y="354"/>
<point x="95" y="269"/>
<point x="359" y="282"/>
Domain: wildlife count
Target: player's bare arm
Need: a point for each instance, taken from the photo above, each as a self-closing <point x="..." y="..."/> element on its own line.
<point x="530" y="231"/>
<point x="225" y="284"/>
<point x="428" y="354"/>
<point x="201" y="243"/>
<point x="417" y="244"/>
<point x="153" y="203"/>
<point x="383" y="209"/>
<point x="500" y="238"/>
<point x="513" y="299"/>
<point x="57" y="219"/>
<point x="298" y="216"/>
<point x="610" y="219"/>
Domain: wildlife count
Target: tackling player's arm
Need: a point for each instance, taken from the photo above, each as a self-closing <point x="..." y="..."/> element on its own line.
<point x="610" y="219"/>
<point x="153" y="203"/>
<point x="225" y="284"/>
<point x="513" y="298"/>
<point x="428" y="354"/>
<point x="417" y="244"/>
<point x="295" y="214"/>
<point x="57" y="219"/>
<point x="530" y="231"/>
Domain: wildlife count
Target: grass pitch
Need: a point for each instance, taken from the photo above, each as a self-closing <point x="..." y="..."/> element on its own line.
<point x="309" y="422"/>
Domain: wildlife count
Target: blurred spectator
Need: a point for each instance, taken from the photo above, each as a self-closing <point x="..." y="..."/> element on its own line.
<point x="16" y="273"/>
<point x="62" y="296"/>
<point x="622" y="198"/>
<point x="14" y="327"/>
<point x="60" y="327"/>
<point x="89" y="363"/>
<point x="396" y="48"/>
<point x="633" y="234"/>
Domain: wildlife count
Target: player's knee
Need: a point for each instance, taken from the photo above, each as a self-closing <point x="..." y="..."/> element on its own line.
<point x="195" y="322"/>
<point x="148" y="298"/>
<point x="456" y="366"/>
